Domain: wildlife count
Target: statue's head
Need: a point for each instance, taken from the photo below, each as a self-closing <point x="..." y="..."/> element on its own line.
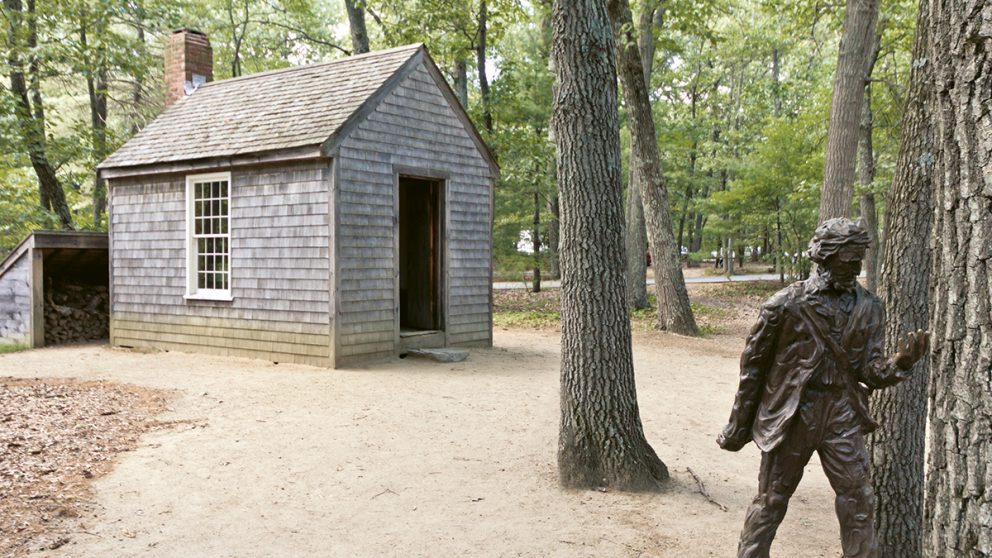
<point x="838" y="246"/>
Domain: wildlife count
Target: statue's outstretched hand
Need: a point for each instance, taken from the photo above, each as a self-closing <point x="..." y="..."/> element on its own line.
<point x="911" y="349"/>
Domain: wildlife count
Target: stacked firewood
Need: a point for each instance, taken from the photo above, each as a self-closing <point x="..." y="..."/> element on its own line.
<point x="76" y="312"/>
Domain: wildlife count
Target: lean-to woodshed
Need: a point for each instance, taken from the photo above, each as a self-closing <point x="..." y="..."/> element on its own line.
<point x="325" y="214"/>
<point x="53" y="289"/>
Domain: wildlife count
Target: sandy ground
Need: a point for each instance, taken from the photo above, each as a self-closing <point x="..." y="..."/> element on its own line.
<point x="416" y="458"/>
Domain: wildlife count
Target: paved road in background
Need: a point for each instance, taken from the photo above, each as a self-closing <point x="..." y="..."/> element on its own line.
<point x="505" y="285"/>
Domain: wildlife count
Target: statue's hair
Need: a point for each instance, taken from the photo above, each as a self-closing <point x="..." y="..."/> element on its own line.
<point x="833" y="234"/>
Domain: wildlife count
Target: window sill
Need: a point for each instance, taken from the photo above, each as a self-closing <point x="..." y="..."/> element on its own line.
<point x="216" y="297"/>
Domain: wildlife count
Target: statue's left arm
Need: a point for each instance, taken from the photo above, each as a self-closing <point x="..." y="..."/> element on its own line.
<point x="881" y="370"/>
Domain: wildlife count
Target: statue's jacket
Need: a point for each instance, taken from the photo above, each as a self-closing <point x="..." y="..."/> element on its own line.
<point x="791" y="344"/>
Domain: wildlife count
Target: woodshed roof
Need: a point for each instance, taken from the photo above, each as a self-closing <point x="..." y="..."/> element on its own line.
<point x="275" y="111"/>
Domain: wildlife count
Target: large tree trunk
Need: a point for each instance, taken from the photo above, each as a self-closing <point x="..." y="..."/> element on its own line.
<point x="896" y="449"/>
<point x="356" y="23"/>
<point x="845" y="108"/>
<point x="959" y="476"/>
<point x="601" y="440"/>
<point x="29" y="109"/>
<point x="674" y="312"/>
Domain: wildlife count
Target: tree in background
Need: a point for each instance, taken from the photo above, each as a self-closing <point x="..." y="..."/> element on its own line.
<point x="959" y="485"/>
<point x="846" y="108"/>
<point x="527" y="186"/>
<point x="674" y="312"/>
<point x="636" y="240"/>
<point x="24" y="68"/>
<point x="714" y="99"/>
<point x="601" y="441"/>
<point x="356" y="23"/>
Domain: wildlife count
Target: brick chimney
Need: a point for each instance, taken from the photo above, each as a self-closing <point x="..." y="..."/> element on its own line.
<point x="189" y="62"/>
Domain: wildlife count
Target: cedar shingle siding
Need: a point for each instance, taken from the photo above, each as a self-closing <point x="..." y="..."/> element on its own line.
<point x="313" y="236"/>
<point x="15" y="302"/>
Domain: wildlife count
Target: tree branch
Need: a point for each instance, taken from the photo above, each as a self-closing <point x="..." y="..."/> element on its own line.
<point x="306" y="36"/>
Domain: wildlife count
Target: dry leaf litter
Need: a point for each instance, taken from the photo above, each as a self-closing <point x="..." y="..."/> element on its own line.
<point x="56" y="436"/>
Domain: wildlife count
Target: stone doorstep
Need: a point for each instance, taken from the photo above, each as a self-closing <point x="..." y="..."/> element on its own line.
<point x="440" y="355"/>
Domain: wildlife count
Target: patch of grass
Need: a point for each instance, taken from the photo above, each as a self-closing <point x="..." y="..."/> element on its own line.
<point x="527" y="320"/>
<point x="705" y="311"/>
<point x="746" y="289"/>
<point x="12" y="347"/>
<point x="519" y="300"/>
<point x="718" y="308"/>
<point x="709" y="330"/>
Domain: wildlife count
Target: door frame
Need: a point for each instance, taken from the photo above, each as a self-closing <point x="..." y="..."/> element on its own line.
<point x="443" y="178"/>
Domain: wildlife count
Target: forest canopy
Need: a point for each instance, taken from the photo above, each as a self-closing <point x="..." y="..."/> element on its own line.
<point x="740" y="92"/>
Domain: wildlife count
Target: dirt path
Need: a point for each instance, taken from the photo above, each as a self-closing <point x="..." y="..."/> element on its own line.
<point x="415" y="458"/>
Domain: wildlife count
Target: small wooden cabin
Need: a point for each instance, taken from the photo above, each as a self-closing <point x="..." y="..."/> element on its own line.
<point x="326" y="214"/>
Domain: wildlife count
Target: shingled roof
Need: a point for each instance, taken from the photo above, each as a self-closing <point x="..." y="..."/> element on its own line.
<point x="271" y="111"/>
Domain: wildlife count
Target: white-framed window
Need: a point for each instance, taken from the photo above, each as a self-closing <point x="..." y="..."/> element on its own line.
<point x="208" y="236"/>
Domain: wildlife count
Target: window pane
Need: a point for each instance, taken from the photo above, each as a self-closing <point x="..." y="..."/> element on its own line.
<point x="210" y="228"/>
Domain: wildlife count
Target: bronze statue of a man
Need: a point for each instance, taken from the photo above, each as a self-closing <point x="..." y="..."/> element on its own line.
<point x="806" y="372"/>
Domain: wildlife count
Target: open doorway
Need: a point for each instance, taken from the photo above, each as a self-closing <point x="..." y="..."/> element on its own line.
<point x="421" y="259"/>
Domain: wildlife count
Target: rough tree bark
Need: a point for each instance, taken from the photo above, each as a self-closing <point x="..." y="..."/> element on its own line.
<point x="554" y="268"/>
<point x="845" y="108"/>
<point x="636" y="239"/>
<point x="356" y="23"/>
<point x="674" y="312"/>
<point x="958" y="514"/>
<point x="601" y="440"/>
<point x="896" y="449"/>
<point x="866" y="173"/>
<point x="29" y="108"/>
<point x="636" y="244"/>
